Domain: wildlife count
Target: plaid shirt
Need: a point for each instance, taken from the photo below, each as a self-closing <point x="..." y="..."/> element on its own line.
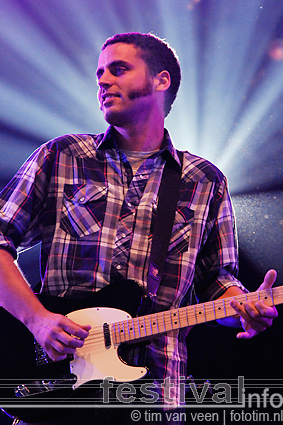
<point x="77" y="196"/>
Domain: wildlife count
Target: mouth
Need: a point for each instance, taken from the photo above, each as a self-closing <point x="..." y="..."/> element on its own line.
<point x="108" y="97"/>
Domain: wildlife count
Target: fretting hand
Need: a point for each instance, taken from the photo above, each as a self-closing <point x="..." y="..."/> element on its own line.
<point x="256" y="316"/>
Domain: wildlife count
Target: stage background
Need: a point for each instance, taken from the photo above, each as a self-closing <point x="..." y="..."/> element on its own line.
<point x="229" y="110"/>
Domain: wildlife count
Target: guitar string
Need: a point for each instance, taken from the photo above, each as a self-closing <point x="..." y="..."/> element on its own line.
<point x="207" y="308"/>
<point x="198" y="308"/>
<point x="133" y="326"/>
<point x="166" y="322"/>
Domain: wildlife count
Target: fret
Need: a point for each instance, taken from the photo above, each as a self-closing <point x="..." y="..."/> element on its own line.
<point x="214" y="312"/>
<point x="183" y="318"/>
<point x="169" y="324"/>
<point x="163" y="320"/>
<point x="209" y="311"/>
<point x="156" y="323"/>
<point x="113" y="336"/>
<point x="138" y="326"/>
<point x="180" y="315"/>
<point x="175" y="319"/>
<point x="200" y="313"/>
<point x="147" y="325"/>
<point x="132" y="333"/>
<point x="150" y="325"/>
<point x="116" y="333"/>
<point x="267" y="295"/>
<point x="142" y="326"/>
<point x="196" y="320"/>
<point x="127" y="334"/>
<point x="277" y="295"/>
<point x="271" y="295"/>
<point x="121" y="331"/>
<point x="220" y="309"/>
<point x="224" y="307"/>
<point x="124" y="329"/>
<point x="178" y="310"/>
<point x="187" y="316"/>
<point x="263" y="295"/>
<point x="163" y="316"/>
<point x="204" y="312"/>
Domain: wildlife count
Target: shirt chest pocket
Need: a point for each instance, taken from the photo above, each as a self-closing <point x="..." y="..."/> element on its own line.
<point x="83" y="209"/>
<point x="181" y="232"/>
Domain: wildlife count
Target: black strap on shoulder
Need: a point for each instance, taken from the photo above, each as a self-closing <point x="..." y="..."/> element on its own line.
<point x="166" y="209"/>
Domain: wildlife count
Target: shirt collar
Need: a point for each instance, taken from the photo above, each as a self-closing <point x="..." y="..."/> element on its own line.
<point x="108" y="141"/>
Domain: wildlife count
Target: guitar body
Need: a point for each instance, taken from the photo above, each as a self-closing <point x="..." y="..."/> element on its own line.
<point x="96" y="360"/>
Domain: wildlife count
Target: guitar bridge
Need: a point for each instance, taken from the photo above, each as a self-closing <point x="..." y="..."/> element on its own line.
<point x="45" y="385"/>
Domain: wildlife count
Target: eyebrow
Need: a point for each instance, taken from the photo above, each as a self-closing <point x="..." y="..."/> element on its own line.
<point x="112" y="65"/>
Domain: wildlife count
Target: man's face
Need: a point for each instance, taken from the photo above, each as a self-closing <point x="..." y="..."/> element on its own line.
<point x="125" y="86"/>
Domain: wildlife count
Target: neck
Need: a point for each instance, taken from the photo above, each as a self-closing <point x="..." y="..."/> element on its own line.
<point x="142" y="137"/>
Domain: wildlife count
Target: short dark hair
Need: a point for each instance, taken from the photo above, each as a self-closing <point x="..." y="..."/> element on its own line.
<point x="158" y="56"/>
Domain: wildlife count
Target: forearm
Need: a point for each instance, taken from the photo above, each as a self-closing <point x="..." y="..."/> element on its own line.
<point x="58" y="335"/>
<point x="15" y="294"/>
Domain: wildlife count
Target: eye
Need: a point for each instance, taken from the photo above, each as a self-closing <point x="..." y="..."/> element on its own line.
<point x="119" y="70"/>
<point x="98" y="75"/>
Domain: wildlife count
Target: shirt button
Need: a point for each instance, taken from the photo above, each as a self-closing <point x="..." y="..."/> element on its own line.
<point x="129" y="204"/>
<point x="82" y="199"/>
<point x="123" y="235"/>
<point x="119" y="267"/>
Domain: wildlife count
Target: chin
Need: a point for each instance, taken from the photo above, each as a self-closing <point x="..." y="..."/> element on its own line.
<point x="115" y="118"/>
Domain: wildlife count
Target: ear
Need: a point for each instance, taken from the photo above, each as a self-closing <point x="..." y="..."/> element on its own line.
<point x="162" y="81"/>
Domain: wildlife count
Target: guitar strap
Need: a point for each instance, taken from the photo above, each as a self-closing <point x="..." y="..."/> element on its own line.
<point x="164" y="219"/>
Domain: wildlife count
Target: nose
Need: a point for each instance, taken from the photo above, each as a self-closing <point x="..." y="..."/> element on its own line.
<point x="104" y="80"/>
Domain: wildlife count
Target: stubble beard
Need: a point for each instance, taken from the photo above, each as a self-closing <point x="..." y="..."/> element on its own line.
<point x="145" y="91"/>
<point x="118" y="119"/>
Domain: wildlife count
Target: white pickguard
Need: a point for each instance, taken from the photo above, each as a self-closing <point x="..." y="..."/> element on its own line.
<point x="94" y="361"/>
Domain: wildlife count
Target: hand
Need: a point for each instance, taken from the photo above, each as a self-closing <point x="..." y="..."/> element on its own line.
<point x="255" y="317"/>
<point x="58" y="335"/>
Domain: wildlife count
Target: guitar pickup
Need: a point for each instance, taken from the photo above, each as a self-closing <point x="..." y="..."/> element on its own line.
<point x="107" y="337"/>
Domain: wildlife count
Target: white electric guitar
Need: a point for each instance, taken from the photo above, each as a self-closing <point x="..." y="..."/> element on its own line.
<point x="98" y="358"/>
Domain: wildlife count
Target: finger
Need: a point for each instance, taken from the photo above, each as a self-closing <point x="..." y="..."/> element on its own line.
<point x="55" y="356"/>
<point x="66" y="335"/>
<point x="269" y="279"/>
<point x="55" y="351"/>
<point x="265" y="311"/>
<point x="72" y="328"/>
<point x="250" y="317"/>
<point x="246" y="335"/>
<point x="240" y="309"/>
<point x="62" y="349"/>
<point x="68" y="342"/>
<point x="258" y="312"/>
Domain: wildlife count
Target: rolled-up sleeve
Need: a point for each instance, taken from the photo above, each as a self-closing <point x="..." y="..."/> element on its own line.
<point x="21" y="202"/>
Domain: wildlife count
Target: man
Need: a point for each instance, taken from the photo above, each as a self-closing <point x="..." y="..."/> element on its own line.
<point x="91" y="201"/>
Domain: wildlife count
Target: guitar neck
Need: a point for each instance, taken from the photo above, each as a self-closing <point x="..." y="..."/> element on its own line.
<point x="158" y="323"/>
